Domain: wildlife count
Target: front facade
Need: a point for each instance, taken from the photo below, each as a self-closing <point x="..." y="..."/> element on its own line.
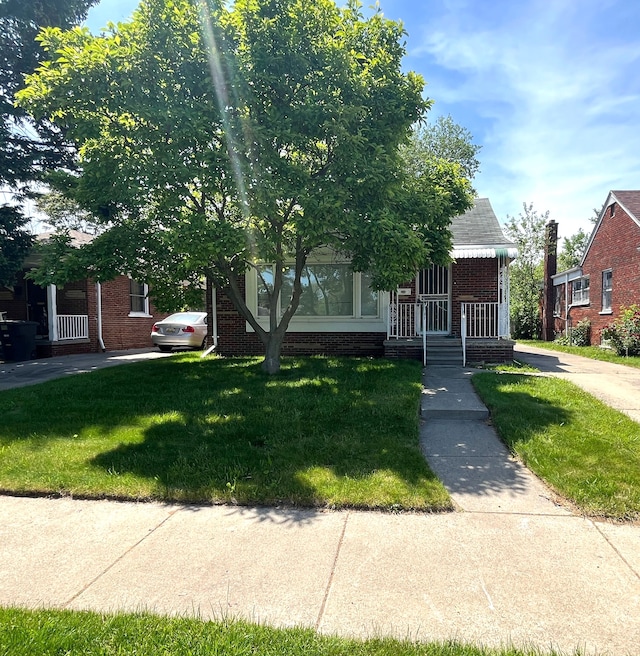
<point x="82" y="316"/>
<point x="608" y="277"/>
<point x="340" y="314"/>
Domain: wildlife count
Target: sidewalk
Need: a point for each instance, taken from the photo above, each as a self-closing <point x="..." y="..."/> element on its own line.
<point x="616" y="385"/>
<point x="511" y="567"/>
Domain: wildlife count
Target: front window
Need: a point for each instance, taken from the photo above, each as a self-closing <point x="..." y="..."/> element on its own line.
<point x="607" y="287"/>
<point x="328" y="290"/>
<point x="580" y="291"/>
<point x="138" y="296"/>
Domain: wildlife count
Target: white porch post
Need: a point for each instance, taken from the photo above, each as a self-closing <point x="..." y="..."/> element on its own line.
<point x="504" y="329"/>
<point x="53" y="313"/>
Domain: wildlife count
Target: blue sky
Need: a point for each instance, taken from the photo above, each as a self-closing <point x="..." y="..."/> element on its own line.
<point x="549" y="88"/>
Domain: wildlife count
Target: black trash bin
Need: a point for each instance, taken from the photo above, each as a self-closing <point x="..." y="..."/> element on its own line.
<point x="18" y="340"/>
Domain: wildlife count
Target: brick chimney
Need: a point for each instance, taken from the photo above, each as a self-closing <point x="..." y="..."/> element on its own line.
<point x="550" y="268"/>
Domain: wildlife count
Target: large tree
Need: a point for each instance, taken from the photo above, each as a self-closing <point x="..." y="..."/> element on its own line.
<point x="526" y="275"/>
<point x="28" y="148"/>
<point x="442" y="139"/>
<point x="573" y="248"/>
<point x="213" y="139"/>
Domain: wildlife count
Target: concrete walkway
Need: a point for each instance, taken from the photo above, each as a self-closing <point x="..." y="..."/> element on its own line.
<point x="31" y="372"/>
<point x="510" y="567"/>
<point x="616" y="385"/>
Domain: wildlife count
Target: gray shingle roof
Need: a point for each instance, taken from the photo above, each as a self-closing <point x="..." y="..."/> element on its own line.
<point x="478" y="227"/>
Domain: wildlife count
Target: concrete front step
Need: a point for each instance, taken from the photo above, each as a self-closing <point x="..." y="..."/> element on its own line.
<point x="444" y="351"/>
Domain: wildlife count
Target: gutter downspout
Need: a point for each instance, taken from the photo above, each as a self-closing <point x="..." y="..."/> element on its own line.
<point x="99" y="317"/>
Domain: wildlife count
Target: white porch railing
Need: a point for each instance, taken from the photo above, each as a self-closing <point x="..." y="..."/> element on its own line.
<point x="401" y="322"/>
<point x="481" y="319"/>
<point x="73" y="326"/>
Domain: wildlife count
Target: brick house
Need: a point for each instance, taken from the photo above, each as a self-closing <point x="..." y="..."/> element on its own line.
<point x="83" y="316"/>
<point x="457" y="312"/>
<point x="608" y="276"/>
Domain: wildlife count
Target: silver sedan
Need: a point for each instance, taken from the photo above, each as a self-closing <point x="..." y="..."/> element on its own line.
<point x="187" y="329"/>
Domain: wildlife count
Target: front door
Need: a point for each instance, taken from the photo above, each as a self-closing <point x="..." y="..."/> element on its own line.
<point x="434" y="290"/>
<point x="37" y="308"/>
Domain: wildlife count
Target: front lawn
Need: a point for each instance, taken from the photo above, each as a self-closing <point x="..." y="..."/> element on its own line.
<point x="43" y="632"/>
<point x="593" y="352"/>
<point x="325" y="432"/>
<point x="588" y="452"/>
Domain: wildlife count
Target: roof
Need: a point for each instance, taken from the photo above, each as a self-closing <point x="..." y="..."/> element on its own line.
<point x="77" y="238"/>
<point x="477" y="233"/>
<point x="629" y="200"/>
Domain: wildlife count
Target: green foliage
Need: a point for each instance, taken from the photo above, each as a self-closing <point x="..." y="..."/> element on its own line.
<point x="579" y="335"/>
<point x="624" y="333"/>
<point x="573" y="249"/>
<point x="28" y="148"/>
<point x="14" y="243"/>
<point x="79" y="633"/>
<point x="526" y="276"/>
<point x="214" y="138"/>
<point x="444" y="140"/>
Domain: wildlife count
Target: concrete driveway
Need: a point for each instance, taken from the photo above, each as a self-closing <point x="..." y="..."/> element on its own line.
<point x="31" y="372"/>
<point x="616" y="385"/>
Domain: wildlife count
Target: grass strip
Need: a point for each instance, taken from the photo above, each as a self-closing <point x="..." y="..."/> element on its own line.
<point x="49" y="632"/>
<point x="592" y="352"/>
<point x="325" y="432"/>
<point x="586" y="451"/>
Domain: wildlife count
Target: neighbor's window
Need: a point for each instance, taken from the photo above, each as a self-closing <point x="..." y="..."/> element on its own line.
<point x="607" y="287"/>
<point x="138" y="297"/>
<point x="580" y="291"/>
<point x="557" y="301"/>
<point x="328" y="290"/>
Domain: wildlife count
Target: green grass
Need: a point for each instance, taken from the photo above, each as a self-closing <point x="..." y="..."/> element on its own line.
<point x="593" y="352"/>
<point x="49" y="632"/>
<point x="325" y="432"/>
<point x="587" y="452"/>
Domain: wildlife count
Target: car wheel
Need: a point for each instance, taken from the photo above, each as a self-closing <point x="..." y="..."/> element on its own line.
<point x="165" y="349"/>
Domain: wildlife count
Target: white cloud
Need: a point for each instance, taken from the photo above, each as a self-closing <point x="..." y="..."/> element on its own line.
<point x="557" y="105"/>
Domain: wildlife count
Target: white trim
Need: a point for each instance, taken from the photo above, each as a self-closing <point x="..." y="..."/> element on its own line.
<point x="145" y="290"/>
<point x="52" y="302"/>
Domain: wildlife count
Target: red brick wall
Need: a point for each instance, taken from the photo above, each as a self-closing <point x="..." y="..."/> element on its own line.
<point x="473" y="281"/>
<point x="233" y="338"/>
<point x="119" y="330"/>
<point x="615" y="246"/>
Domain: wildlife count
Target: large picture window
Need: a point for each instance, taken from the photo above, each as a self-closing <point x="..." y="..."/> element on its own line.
<point x="328" y="290"/>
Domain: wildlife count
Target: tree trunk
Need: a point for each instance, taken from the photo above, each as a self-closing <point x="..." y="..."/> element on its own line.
<point x="271" y="363"/>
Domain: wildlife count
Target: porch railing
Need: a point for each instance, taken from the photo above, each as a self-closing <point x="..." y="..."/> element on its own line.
<point x="73" y="326"/>
<point x="481" y="319"/>
<point x="478" y="320"/>
<point x="401" y="322"/>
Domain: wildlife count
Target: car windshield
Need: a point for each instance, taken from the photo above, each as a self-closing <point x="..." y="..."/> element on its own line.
<point x="185" y="317"/>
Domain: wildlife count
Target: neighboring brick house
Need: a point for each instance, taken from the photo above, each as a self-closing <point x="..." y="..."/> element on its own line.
<point x="340" y="314"/>
<point x="82" y="316"/>
<point x="608" y="276"/>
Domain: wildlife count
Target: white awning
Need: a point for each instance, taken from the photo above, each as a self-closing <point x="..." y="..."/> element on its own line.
<point x="484" y="252"/>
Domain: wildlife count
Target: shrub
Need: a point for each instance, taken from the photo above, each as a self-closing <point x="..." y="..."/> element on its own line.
<point x="579" y="335"/>
<point x="624" y="334"/>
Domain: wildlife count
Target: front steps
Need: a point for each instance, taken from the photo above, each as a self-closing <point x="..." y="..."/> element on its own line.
<point x="444" y="351"/>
